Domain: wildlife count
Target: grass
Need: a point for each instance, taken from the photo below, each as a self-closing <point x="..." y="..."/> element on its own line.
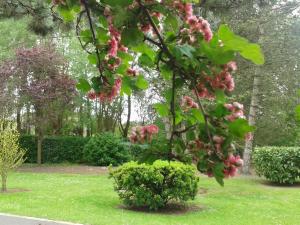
<point x="91" y="200"/>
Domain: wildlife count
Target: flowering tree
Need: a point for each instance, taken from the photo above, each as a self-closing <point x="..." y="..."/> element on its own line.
<point x="168" y="37"/>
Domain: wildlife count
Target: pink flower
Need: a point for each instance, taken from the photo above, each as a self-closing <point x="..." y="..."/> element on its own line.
<point x="92" y="95"/>
<point x="188" y="103"/>
<point x="237" y="111"/>
<point x="232" y="66"/>
<point x="188" y="8"/>
<point x="152" y="129"/>
<point x="113" y="44"/>
<point x="122" y="48"/>
<point x="109" y="92"/>
<point x="141" y="134"/>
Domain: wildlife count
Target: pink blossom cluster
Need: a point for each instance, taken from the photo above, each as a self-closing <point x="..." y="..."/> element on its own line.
<point x="141" y="134"/>
<point x="197" y="145"/>
<point x="232" y="163"/>
<point x="114" y="43"/>
<point x="237" y="111"/>
<point x="203" y="91"/>
<point x="188" y="103"/>
<point x="108" y="92"/>
<point x="221" y="81"/>
<point x="218" y="141"/>
<point x="196" y="24"/>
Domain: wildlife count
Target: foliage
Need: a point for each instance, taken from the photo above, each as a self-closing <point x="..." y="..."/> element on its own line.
<point x="278" y="164"/>
<point x="41" y="80"/>
<point x="106" y="149"/>
<point x="155" y="185"/>
<point x="55" y="149"/>
<point x="167" y="37"/>
<point x="11" y="155"/>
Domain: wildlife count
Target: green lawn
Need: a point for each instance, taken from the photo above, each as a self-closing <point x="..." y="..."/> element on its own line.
<point x="91" y="200"/>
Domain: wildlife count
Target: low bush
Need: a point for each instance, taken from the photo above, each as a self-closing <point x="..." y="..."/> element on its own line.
<point x="106" y="149"/>
<point x="55" y="149"/>
<point x="278" y="164"/>
<point x="153" y="186"/>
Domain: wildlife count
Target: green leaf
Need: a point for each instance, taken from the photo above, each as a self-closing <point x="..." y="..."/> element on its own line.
<point x="66" y="13"/>
<point x="102" y="36"/>
<point x="122" y="3"/>
<point x="220" y="96"/>
<point x="198" y="115"/>
<point x="171" y="23"/>
<point x="168" y="94"/>
<point x="125" y="57"/>
<point x="178" y="117"/>
<point x="236" y="43"/>
<point x="145" y="60"/>
<point x="126" y="86"/>
<point x="145" y="49"/>
<point x="86" y="35"/>
<point x="240" y="128"/>
<point x="83" y="85"/>
<point x="253" y="52"/>
<point x="121" y="69"/>
<point x="216" y="53"/>
<point x="166" y="72"/>
<point x="186" y="50"/>
<point x="297" y="112"/>
<point x="220" y="111"/>
<point x="93" y="59"/>
<point x="132" y="37"/>
<point x="162" y="109"/>
<point x="141" y="82"/>
<point x="218" y="173"/>
<point x="103" y="22"/>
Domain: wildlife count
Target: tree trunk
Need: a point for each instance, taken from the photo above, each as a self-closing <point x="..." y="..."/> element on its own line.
<point x="126" y="129"/>
<point x="39" y="148"/>
<point x="19" y="119"/>
<point x="28" y="131"/>
<point x="4" y="179"/>
<point x="168" y="128"/>
<point x="251" y="120"/>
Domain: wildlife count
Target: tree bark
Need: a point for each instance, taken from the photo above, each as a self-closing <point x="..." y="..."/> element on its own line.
<point x="251" y="120"/>
<point x="126" y="129"/>
<point x="4" y="179"/>
<point x="19" y="119"/>
<point x="39" y="148"/>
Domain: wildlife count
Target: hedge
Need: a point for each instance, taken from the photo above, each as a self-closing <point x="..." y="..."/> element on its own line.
<point x="154" y="185"/>
<point x="278" y="164"/>
<point x="55" y="149"/>
<point x="106" y="149"/>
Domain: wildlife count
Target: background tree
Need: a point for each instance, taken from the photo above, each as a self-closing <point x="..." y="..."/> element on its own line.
<point x="40" y="80"/>
<point x="11" y="155"/>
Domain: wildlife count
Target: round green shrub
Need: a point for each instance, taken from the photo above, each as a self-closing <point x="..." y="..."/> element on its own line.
<point x="278" y="164"/>
<point x="106" y="149"/>
<point x="153" y="186"/>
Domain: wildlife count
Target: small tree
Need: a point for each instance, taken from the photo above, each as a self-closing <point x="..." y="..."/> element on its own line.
<point x="11" y="155"/>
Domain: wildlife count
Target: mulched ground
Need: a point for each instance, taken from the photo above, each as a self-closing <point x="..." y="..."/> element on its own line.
<point x="170" y="209"/>
<point x="68" y="169"/>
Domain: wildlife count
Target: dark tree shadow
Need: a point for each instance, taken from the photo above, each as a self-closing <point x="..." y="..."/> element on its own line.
<point x="171" y="209"/>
